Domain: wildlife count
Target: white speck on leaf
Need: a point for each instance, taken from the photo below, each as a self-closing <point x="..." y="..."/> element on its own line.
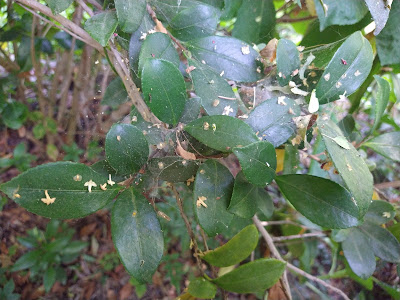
<point x="48" y="200"/>
<point x="77" y="177"/>
<point x="327" y="76"/>
<point x="357" y="73"/>
<point x="227" y="110"/>
<point x="200" y="201"/>
<point x="118" y="138"/>
<point x="313" y="106"/>
<point x="338" y="84"/>
<point x="214" y="127"/>
<point x="109" y="181"/>
<point x="161" y="165"/>
<point x="258" y="19"/>
<point x="90" y="184"/>
<point x="222" y="73"/>
<point x="215" y="103"/>
<point x="386" y="214"/>
<point x="281" y="100"/>
<point x="245" y="50"/>
<point x="206" y="126"/>
<point x="103" y="186"/>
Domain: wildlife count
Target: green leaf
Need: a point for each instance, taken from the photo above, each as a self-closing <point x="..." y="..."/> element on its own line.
<point x="359" y="254"/>
<point x="350" y="165"/>
<point x="222" y="133"/>
<point x="166" y="10"/>
<point x="192" y="110"/>
<point x="49" y="278"/>
<point x="340" y="12"/>
<point x="231" y="8"/>
<point x="115" y="94"/>
<point x="380" y="12"/>
<point x="381" y="99"/>
<point x="102" y="26"/>
<point x="126" y="148"/>
<point x="274" y="121"/>
<point x="291" y="159"/>
<point x="235" y="58"/>
<point x="164" y="90"/>
<point x="235" y="250"/>
<point x="380" y="212"/>
<point x="255" y="21"/>
<point x="287" y="61"/>
<point x="27" y="260"/>
<point x="388" y="41"/>
<point x="158" y="45"/>
<point x="130" y="14"/>
<point x="14" y="115"/>
<point x="173" y="168"/>
<point x="202" y="288"/>
<point x="252" y="277"/>
<point x="258" y="162"/>
<point x="58" y="6"/>
<point x="137" y="235"/>
<point x="61" y="180"/>
<point x="347" y="70"/>
<point x="214" y="91"/>
<point x="195" y="22"/>
<point x="247" y="199"/>
<point x="383" y="243"/>
<point x="322" y="201"/>
<point x="387" y="144"/>
<point x="213" y="186"/>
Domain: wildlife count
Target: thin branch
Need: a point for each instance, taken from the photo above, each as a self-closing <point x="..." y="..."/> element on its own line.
<point x="95" y="4"/>
<point x="286" y="19"/>
<point x="85" y="7"/>
<point x="387" y="185"/>
<point x="298" y="236"/>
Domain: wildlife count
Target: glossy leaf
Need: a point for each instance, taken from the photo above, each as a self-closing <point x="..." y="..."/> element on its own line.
<point x="350" y="165"/>
<point x="61" y="181"/>
<point x="202" y="288"/>
<point x="380" y="212"/>
<point x="347" y="70"/>
<point x="126" y="148"/>
<point x="359" y="254"/>
<point x="173" y="168"/>
<point x="322" y="201"/>
<point x="287" y="61"/>
<point x="137" y="235"/>
<point x="213" y="187"/>
<point x="213" y="90"/>
<point x="191" y="111"/>
<point x="255" y="21"/>
<point x="115" y="94"/>
<point x="164" y="90"/>
<point x="258" y="162"/>
<point x="387" y="144"/>
<point x="236" y="59"/>
<point x="130" y="14"/>
<point x="222" y="133"/>
<point x="58" y="6"/>
<point x="102" y="26"/>
<point x="381" y="99"/>
<point x="235" y="250"/>
<point x="274" y="121"/>
<point x="380" y="12"/>
<point x="255" y="276"/>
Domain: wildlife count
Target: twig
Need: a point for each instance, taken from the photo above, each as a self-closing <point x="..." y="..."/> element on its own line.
<point x="85" y="7"/>
<point x="95" y="4"/>
<point x="298" y="236"/>
<point x="286" y="19"/>
<point x="387" y="185"/>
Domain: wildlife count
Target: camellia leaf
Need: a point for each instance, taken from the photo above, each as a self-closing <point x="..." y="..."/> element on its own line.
<point x="258" y="162"/>
<point x="202" y="288"/>
<point x="287" y="61"/>
<point x="137" y="235"/>
<point x="359" y="254"/>
<point x="255" y="21"/>
<point x="102" y="26"/>
<point x="387" y="144"/>
<point x="115" y="94"/>
<point x="173" y="168"/>
<point x="347" y="70"/>
<point x="212" y="192"/>
<point x="273" y="119"/>
<point x="164" y="90"/>
<point x="222" y="133"/>
<point x="380" y="212"/>
<point x="64" y="182"/>
<point x="58" y="6"/>
<point x="126" y="148"/>
<point x="235" y="250"/>
<point x="381" y="99"/>
<point x="350" y="165"/>
<point x="215" y="92"/>
<point x="231" y="57"/>
<point x="380" y="12"/>
<point x="166" y="10"/>
<point x="130" y="14"/>
<point x="191" y="111"/>
<point x="254" y="276"/>
<point x="322" y="201"/>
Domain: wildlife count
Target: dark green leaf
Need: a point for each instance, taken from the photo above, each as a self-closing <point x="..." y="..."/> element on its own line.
<point x="195" y="22"/>
<point x="235" y="58"/>
<point x="291" y="160"/>
<point x="387" y="144"/>
<point x="347" y="70"/>
<point x="383" y="243"/>
<point x="322" y="201"/>
<point x="103" y="167"/>
<point x="74" y="247"/>
<point x="126" y="148"/>
<point x="359" y="254"/>
<point x="255" y="21"/>
<point x="388" y="41"/>
<point x="192" y="110"/>
<point x="164" y="90"/>
<point x="202" y="288"/>
<point x="49" y="278"/>
<point x="350" y="165"/>
<point x="380" y="12"/>
<point x="166" y="10"/>
<point x="287" y="61"/>
<point x="58" y="6"/>
<point x="347" y="125"/>
<point x="212" y="192"/>
<point x="137" y="235"/>
<point x="380" y="212"/>
<point x="213" y="90"/>
<point x="381" y="99"/>
<point x="274" y="121"/>
<point x="252" y="277"/>
<point x="235" y="250"/>
<point x="102" y="26"/>
<point x="115" y="94"/>
<point x="222" y="133"/>
<point x="258" y="162"/>
<point x="231" y="8"/>
<point x="64" y="181"/>
<point x="130" y="14"/>
<point x="173" y="168"/>
<point x="27" y="260"/>
<point x="14" y="115"/>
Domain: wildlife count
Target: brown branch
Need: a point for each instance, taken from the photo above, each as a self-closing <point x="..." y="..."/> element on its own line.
<point x="286" y="19"/>
<point x="387" y="185"/>
<point x="298" y="236"/>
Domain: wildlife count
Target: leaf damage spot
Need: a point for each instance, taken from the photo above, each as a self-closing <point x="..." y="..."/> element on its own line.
<point x="103" y="187"/>
<point x="245" y="50"/>
<point x="357" y="73"/>
<point x="215" y="103"/>
<point x="349" y="167"/>
<point x="200" y="201"/>
<point x="214" y="127"/>
<point x="281" y="100"/>
<point x="161" y="165"/>
<point x="118" y="138"/>
<point x="90" y="184"/>
<point x="327" y="76"/>
<point x="206" y="126"/>
<point x="109" y="181"/>
<point x="338" y="84"/>
<point x="386" y="214"/>
<point x="77" y="177"/>
<point x="227" y="110"/>
<point x="134" y="213"/>
<point x="48" y="200"/>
